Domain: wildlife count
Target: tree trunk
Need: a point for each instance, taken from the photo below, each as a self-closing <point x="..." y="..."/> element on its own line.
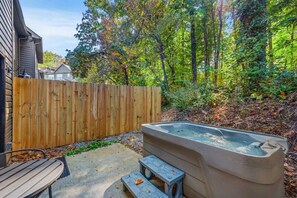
<point x="206" y="58"/>
<point x="270" y="38"/>
<point x="213" y="27"/>
<point x="217" y="54"/>
<point x="162" y="58"/>
<point x="292" y="45"/>
<point x="270" y="47"/>
<point x="172" y="71"/>
<point x="193" y="49"/>
<point x="126" y="74"/>
<point x="183" y="47"/>
<point x="221" y="65"/>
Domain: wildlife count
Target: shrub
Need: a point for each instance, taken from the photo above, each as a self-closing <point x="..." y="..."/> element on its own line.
<point x="190" y="97"/>
<point x="277" y="84"/>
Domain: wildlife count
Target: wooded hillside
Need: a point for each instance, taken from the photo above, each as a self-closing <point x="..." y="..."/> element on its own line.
<point x="238" y="48"/>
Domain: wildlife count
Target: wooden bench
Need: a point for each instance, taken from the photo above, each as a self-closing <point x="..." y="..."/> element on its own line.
<point x="31" y="178"/>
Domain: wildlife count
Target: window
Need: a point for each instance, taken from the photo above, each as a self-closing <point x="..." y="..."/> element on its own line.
<point x="59" y="76"/>
<point x="49" y="77"/>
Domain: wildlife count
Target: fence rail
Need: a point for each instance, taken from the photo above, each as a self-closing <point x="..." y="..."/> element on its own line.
<point x="54" y="113"/>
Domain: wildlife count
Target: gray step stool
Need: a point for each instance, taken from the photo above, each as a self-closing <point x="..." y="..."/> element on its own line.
<point x="167" y="173"/>
<point x="143" y="190"/>
<point x="170" y="175"/>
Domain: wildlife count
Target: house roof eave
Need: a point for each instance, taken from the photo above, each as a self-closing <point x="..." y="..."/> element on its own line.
<point x="38" y="43"/>
<point x="19" y="21"/>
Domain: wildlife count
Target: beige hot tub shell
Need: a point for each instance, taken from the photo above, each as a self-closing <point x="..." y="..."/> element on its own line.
<point x="216" y="172"/>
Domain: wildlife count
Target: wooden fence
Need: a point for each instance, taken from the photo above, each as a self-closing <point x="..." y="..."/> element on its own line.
<point x="54" y="113"/>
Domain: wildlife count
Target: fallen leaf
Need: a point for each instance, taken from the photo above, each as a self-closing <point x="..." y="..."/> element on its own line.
<point x="216" y="116"/>
<point x="288" y="167"/>
<point x="204" y="112"/>
<point x="289" y="134"/>
<point x="280" y="110"/>
<point x="138" y="181"/>
<point x="39" y="155"/>
<point x="291" y="174"/>
<point x="21" y="157"/>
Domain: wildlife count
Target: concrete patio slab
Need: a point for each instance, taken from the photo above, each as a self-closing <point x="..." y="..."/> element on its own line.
<point x="93" y="172"/>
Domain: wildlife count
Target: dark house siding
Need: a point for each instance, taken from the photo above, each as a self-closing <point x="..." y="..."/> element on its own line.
<point x="28" y="57"/>
<point x="6" y="51"/>
<point x="19" y="48"/>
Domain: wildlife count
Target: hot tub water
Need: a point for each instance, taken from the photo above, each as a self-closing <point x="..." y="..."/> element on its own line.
<point x="236" y="142"/>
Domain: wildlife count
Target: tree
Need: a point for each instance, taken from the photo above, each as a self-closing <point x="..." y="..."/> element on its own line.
<point x="218" y="46"/>
<point x="51" y="60"/>
<point x="252" y="40"/>
<point x="171" y="43"/>
<point x="282" y="42"/>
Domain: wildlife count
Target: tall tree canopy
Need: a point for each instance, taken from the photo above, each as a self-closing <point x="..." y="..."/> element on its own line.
<point x="243" y="46"/>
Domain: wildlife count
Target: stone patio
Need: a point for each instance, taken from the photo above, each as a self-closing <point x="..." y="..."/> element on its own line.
<point x="97" y="173"/>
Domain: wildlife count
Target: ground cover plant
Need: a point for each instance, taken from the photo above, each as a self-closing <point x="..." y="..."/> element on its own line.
<point x="88" y="147"/>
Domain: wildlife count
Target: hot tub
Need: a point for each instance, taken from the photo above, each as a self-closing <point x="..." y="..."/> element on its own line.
<point x="220" y="162"/>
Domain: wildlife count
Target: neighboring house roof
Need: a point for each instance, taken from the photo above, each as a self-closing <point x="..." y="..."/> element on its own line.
<point x="38" y="43"/>
<point x="48" y="71"/>
<point x="63" y="72"/>
<point x="62" y="69"/>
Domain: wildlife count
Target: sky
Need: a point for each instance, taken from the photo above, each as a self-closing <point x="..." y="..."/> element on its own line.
<point x="55" y="21"/>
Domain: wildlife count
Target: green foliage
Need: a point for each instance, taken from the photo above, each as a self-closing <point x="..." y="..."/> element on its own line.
<point x="252" y="40"/>
<point x="190" y="97"/>
<point x="92" y="146"/>
<point x="151" y="43"/>
<point x="92" y="76"/>
<point x="51" y="60"/>
<point x="277" y="85"/>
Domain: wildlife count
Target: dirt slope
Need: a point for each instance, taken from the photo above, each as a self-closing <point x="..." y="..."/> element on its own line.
<point x="267" y="116"/>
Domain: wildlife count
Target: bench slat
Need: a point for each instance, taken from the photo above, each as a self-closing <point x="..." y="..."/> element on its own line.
<point x="27" y="182"/>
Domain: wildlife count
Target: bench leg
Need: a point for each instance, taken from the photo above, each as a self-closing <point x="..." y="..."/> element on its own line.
<point x="179" y="190"/>
<point x="50" y="192"/>
<point x="142" y="171"/>
<point x="124" y="188"/>
<point x="168" y="190"/>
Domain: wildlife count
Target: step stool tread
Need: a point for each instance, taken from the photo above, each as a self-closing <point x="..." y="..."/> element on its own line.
<point x="143" y="190"/>
<point x="161" y="169"/>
